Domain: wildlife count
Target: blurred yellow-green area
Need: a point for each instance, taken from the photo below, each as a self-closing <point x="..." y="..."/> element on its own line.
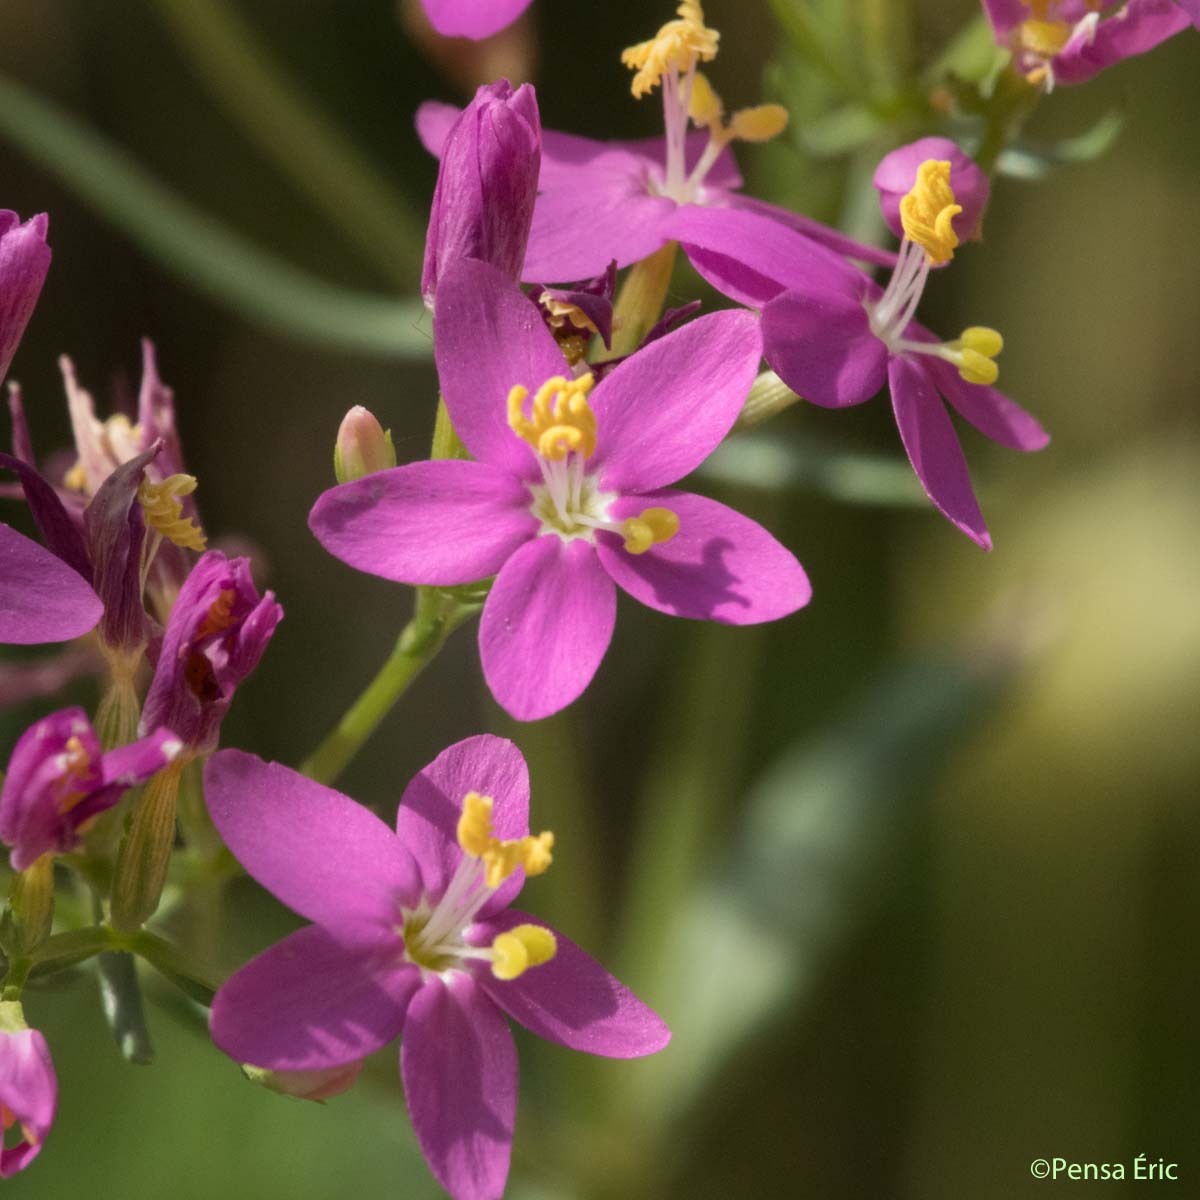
<point x="913" y="874"/>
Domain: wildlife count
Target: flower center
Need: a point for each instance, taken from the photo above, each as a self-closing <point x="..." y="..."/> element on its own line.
<point x="670" y="58"/>
<point x="1045" y="33"/>
<point x="927" y="214"/>
<point x="435" y="934"/>
<point x="561" y="430"/>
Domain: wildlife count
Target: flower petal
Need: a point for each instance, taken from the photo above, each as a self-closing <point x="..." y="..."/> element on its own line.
<point x="29" y="1093"/>
<point x="488" y="337"/>
<point x="831" y="239"/>
<point x="441" y="523"/>
<point x="897" y="173"/>
<point x="664" y="410"/>
<point x="317" y="999"/>
<point x="427" y="822"/>
<point x="41" y="598"/>
<point x="990" y="411"/>
<point x="822" y="347"/>
<point x="24" y="261"/>
<point x="933" y="448"/>
<point x="473" y="18"/>
<point x="459" y="1067"/>
<point x="316" y="850"/>
<point x="572" y="999"/>
<point x="720" y="566"/>
<point x="545" y="626"/>
<point x="1136" y="28"/>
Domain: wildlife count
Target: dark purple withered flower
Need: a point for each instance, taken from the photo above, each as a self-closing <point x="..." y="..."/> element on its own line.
<point x="57" y="780"/>
<point x="217" y="632"/>
<point x="487" y="185"/>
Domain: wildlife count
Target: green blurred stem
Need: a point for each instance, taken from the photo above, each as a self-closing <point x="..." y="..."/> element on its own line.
<point x="222" y="264"/>
<point x="257" y="95"/>
<point x="437" y="616"/>
<point x="1010" y="106"/>
<point x="641" y="299"/>
<point x="768" y="397"/>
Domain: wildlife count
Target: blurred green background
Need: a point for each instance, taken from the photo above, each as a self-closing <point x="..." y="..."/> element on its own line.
<point x="912" y="874"/>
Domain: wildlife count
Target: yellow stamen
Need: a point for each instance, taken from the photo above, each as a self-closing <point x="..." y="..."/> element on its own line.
<point x="705" y="107"/>
<point x="758" y="124"/>
<point x="75" y="480"/>
<point x="977" y="346"/>
<point x="561" y="422"/>
<point x="76" y="767"/>
<point x="1044" y="38"/>
<point x="164" y="512"/>
<point x="520" y="948"/>
<point x="500" y="858"/>
<point x="675" y="48"/>
<point x="651" y="527"/>
<point x="219" y="616"/>
<point x="559" y="312"/>
<point x="928" y="211"/>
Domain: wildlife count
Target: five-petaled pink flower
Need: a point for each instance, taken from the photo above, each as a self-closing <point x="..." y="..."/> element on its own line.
<point x="568" y="498"/>
<point x="28" y="1090"/>
<point x="414" y="936"/>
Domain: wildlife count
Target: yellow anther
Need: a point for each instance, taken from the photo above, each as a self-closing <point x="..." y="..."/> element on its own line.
<point x="759" y="124"/>
<point x="1044" y="38"/>
<point x="978" y="368"/>
<point x="561" y="420"/>
<point x="525" y="946"/>
<point x="164" y="512"/>
<point x="76" y="765"/>
<point x="75" y="480"/>
<point x="676" y="48"/>
<point x="651" y="527"/>
<point x="973" y="353"/>
<point x="559" y="312"/>
<point x="535" y="853"/>
<point x="987" y="342"/>
<point x="928" y="211"/>
<point x="705" y="107"/>
<point x="475" y="824"/>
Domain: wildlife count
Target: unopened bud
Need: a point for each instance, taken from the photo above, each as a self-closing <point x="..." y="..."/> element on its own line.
<point x="307" y="1085"/>
<point x="26" y="924"/>
<point x="363" y="446"/>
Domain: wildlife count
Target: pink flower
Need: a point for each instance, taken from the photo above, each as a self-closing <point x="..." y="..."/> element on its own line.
<point x="413" y="936"/>
<point x="1071" y="41"/>
<point x="897" y="172"/>
<point x="28" y="1089"/>
<point x="565" y="505"/>
<point x="24" y="261"/>
<point x="474" y="19"/>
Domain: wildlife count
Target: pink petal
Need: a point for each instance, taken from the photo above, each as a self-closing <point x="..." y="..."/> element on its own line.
<point x="459" y="1067"/>
<point x="439" y="523"/>
<point x="897" y="173"/>
<point x="1005" y="15"/>
<point x="822" y="347"/>
<point x="664" y="410"/>
<point x="572" y="999"/>
<point x="434" y="120"/>
<point x="990" y="411"/>
<point x="29" y="1091"/>
<point x="545" y="626"/>
<point x="473" y="18"/>
<point x="488" y="337"/>
<point x="41" y="598"/>
<point x="1134" y="29"/>
<point x="831" y="239"/>
<point x="320" y="998"/>
<point x="427" y="823"/>
<point x="24" y="261"/>
<point x="933" y="448"/>
<point x="720" y="566"/>
<point x="320" y="853"/>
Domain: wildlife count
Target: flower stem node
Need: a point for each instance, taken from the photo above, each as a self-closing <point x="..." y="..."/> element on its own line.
<point x="515" y="951"/>
<point x="928" y="211"/>
<point x="651" y="527"/>
<point x="676" y="47"/>
<point x="363" y="446"/>
<point x="562" y="421"/>
<point x="164" y="512"/>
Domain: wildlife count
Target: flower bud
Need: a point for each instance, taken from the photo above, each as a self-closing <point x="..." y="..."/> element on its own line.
<point x="30" y="915"/>
<point x="24" y="261"/>
<point x="897" y="172"/>
<point x="363" y="446"/>
<point x="487" y="185"/>
<point x="28" y="1089"/>
<point x="307" y="1085"/>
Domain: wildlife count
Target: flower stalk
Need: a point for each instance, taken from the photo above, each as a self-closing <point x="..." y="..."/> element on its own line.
<point x="641" y="299"/>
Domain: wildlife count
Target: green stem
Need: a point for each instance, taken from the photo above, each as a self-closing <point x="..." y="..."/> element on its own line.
<point x="641" y="299"/>
<point x="257" y="94"/>
<point x="436" y="617"/>
<point x="1009" y="107"/>
<point x="768" y="397"/>
<point x="195" y="979"/>
<point x="75" y="945"/>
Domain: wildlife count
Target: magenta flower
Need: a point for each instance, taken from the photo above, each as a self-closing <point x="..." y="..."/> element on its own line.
<point x="599" y="201"/>
<point x="41" y="598"/>
<point x="24" y="261"/>
<point x="473" y="19"/>
<point x="897" y="173"/>
<point x="1071" y="41"/>
<point x="487" y="184"/>
<point x="835" y="337"/>
<point x="572" y="500"/>
<point x="28" y="1089"/>
<point x="58" y="780"/>
<point x="414" y="936"/>
<point x="1192" y="9"/>
<point x="217" y="632"/>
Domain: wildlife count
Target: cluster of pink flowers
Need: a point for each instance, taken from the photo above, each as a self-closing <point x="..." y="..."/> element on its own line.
<point x="564" y="494"/>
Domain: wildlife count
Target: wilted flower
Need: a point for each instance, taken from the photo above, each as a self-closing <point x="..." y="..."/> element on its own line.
<point x="1070" y="41"/>
<point x="486" y="187"/>
<point x="58" y="780"/>
<point x="218" y="631"/>
<point x="413" y="934"/>
<point x="473" y="18"/>
<point x="28" y="1089"/>
<point x="569" y="498"/>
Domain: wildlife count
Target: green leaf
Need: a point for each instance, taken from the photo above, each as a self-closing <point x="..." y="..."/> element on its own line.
<point x="1034" y="160"/>
<point x="193" y="979"/>
<point x="222" y="264"/>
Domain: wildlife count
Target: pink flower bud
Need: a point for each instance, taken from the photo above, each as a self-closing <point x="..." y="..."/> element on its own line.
<point x="363" y="446"/>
